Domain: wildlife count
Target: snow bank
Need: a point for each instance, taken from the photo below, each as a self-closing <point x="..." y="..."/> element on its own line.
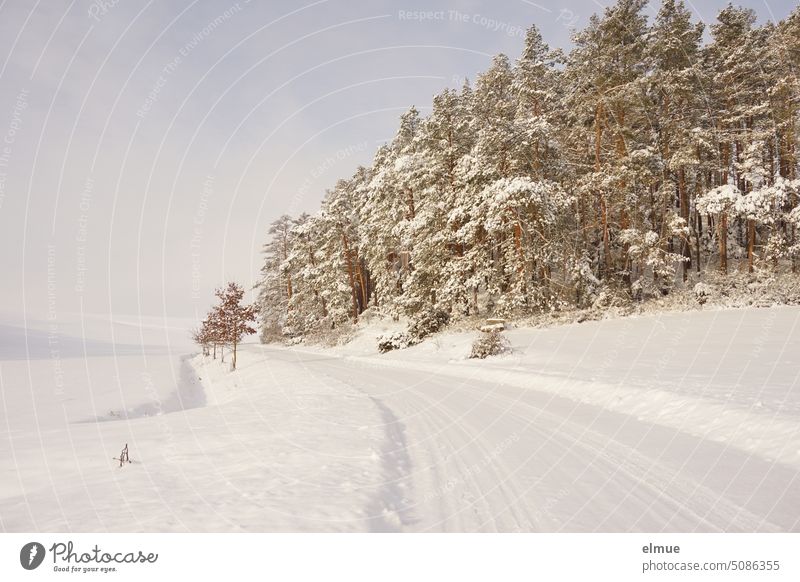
<point x="270" y="447"/>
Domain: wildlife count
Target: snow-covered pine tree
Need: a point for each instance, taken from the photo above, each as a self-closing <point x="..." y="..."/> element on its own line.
<point x="430" y="170"/>
<point x="342" y="286"/>
<point x="536" y="91"/>
<point x="491" y="159"/>
<point x="605" y="87"/>
<point x="307" y="310"/>
<point x="451" y="139"/>
<point x="602" y="170"/>
<point x="377" y="215"/>
<point x="784" y="54"/>
<point x="276" y="285"/>
<point x="740" y="106"/>
<point x="387" y="201"/>
<point x="719" y="203"/>
<point x="676" y="89"/>
<point x="529" y="207"/>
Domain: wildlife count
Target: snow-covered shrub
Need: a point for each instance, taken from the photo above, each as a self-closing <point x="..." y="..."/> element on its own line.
<point x="370" y="315"/>
<point x="608" y="298"/>
<point x="428" y="321"/>
<point x="271" y="334"/>
<point x="702" y="292"/>
<point x="398" y="340"/>
<point x="583" y="279"/>
<point x="492" y="343"/>
<point x="654" y="266"/>
<point x="777" y="248"/>
<point x="329" y="335"/>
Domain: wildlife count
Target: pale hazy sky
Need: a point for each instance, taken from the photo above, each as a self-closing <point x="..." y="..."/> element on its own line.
<point x="145" y="146"/>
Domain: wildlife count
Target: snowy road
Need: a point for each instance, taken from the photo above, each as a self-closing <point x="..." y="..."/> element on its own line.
<point x="470" y="455"/>
<point x="679" y="423"/>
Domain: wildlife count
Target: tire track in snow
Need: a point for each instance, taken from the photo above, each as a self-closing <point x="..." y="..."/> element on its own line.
<point x="620" y="458"/>
<point x="487" y="460"/>
<point x="389" y="511"/>
<point x="434" y="433"/>
<point x="653" y="488"/>
<point x="477" y="492"/>
<point x="686" y="496"/>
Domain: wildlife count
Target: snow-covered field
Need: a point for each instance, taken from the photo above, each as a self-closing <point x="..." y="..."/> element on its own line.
<point x="678" y="422"/>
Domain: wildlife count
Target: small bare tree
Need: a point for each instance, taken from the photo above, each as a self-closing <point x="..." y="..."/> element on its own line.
<point x="123" y="456"/>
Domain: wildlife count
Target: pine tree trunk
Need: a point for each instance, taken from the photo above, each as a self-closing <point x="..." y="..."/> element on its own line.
<point x="686" y="251"/>
<point x="285" y="257"/>
<point x="698" y="228"/>
<point x="622" y="152"/>
<point x="518" y="247"/>
<point x="410" y="201"/>
<point x="362" y="286"/>
<point x="723" y="242"/>
<point x="313" y="262"/>
<point x="606" y="241"/>
<point x="598" y="139"/>
<point x="351" y="276"/>
<point x="792" y="161"/>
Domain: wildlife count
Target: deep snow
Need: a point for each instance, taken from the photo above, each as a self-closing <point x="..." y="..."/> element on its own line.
<point x="679" y="422"/>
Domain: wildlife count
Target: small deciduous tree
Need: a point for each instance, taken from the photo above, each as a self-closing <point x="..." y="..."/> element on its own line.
<point x="200" y="336"/>
<point x="235" y="319"/>
<point x="226" y="323"/>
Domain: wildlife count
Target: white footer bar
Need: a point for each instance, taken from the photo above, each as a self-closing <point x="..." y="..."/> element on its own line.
<point x="400" y="557"/>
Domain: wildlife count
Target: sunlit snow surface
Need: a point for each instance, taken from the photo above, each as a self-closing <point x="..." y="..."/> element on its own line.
<point x="679" y="422"/>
